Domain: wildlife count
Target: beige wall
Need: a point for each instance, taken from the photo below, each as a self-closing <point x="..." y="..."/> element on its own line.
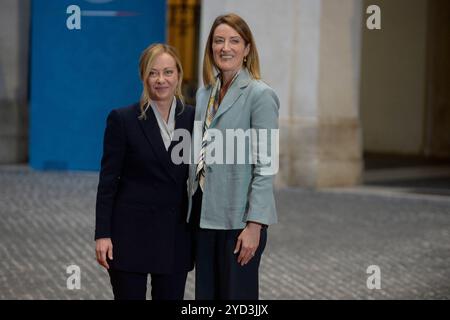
<point x="437" y="141"/>
<point x="310" y="55"/>
<point x="393" y="75"/>
<point x="14" y="28"/>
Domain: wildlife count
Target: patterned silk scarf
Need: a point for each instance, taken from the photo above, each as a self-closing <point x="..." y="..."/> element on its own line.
<point x="213" y="106"/>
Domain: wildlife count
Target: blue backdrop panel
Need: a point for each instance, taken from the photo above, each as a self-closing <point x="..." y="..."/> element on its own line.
<point x="77" y="76"/>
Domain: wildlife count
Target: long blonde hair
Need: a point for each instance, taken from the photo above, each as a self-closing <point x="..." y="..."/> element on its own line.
<point x="241" y="27"/>
<point x="146" y="61"/>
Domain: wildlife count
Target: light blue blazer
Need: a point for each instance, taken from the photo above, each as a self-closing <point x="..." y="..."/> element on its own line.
<point x="237" y="192"/>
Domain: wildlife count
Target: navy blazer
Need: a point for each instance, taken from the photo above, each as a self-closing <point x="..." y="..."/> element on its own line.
<point x="142" y="196"/>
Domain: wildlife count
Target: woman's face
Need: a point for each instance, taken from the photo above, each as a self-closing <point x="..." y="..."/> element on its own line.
<point x="228" y="48"/>
<point x="163" y="78"/>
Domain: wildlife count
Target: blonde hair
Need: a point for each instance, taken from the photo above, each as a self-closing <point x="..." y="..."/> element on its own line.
<point x="241" y="27"/>
<point x="146" y="62"/>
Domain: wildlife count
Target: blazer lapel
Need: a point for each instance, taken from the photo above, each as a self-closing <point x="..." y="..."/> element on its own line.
<point x="233" y="94"/>
<point x="203" y="103"/>
<point x="153" y="135"/>
<point x="181" y="122"/>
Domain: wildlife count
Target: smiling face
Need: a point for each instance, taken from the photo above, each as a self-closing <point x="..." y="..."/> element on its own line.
<point x="229" y="49"/>
<point x="163" y="78"/>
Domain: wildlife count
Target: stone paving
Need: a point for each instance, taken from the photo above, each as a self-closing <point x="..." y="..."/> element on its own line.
<point x="320" y="249"/>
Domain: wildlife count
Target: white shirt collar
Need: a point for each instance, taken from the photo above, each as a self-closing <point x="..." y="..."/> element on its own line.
<point x="168" y="128"/>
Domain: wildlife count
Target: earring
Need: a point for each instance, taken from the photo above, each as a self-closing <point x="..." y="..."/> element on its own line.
<point x="245" y="59"/>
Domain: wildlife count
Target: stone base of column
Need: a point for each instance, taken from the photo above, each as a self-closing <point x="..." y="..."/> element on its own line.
<point x="13" y="133"/>
<point x="319" y="153"/>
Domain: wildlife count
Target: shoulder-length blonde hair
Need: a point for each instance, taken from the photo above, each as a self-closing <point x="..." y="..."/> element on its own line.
<point x="146" y="62"/>
<point x="241" y="27"/>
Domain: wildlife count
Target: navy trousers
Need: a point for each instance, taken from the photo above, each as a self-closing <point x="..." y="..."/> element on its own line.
<point x="218" y="276"/>
<point x="133" y="286"/>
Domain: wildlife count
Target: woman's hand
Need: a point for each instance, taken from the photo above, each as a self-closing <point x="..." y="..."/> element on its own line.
<point x="103" y="247"/>
<point x="248" y="242"/>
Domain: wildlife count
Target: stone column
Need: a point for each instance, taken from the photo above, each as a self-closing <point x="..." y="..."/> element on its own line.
<point x="14" y="31"/>
<point x="310" y="55"/>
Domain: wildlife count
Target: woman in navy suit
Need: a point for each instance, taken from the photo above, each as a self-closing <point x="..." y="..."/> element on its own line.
<point x="142" y="198"/>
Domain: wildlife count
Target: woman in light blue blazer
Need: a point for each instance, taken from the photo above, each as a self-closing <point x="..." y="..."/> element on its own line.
<point x="234" y="162"/>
